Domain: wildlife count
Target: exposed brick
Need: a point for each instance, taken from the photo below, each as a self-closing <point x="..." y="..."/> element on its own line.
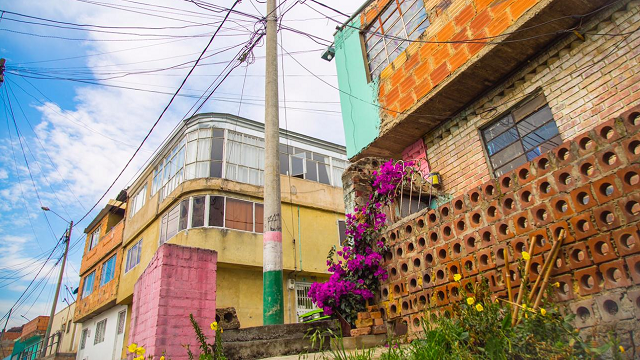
<point x="439" y="74"/>
<point x="614" y="274"/>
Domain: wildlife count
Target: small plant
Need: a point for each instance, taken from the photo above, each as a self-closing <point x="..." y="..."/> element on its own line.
<point x="208" y="351"/>
<point x="139" y="352"/>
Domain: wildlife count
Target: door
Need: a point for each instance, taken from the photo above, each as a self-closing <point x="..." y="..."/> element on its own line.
<point x="303" y="301"/>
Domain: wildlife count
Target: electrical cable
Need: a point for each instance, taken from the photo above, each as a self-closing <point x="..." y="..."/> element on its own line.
<point x="158" y="120"/>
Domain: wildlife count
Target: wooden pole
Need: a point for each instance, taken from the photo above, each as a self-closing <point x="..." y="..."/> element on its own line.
<point x="516" y="309"/>
<point x="547" y="264"/>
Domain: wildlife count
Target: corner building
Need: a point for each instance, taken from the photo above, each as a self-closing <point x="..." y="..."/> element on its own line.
<point x="204" y="190"/>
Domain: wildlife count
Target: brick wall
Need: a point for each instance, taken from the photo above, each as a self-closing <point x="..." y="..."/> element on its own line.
<point x="178" y="281"/>
<point x="584" y="82"/>
<point x="590" y="187"/>
<point x="104" y="296"/>
<point x="424" y="65"/>
<point x="37" y="325"/>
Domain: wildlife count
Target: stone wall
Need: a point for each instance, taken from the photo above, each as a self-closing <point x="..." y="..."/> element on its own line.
<point x="178" y="281"/>
<point x="588" y="186"/>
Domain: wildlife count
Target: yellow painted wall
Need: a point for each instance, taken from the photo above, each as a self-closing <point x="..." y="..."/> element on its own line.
<point x="316" y="208"/>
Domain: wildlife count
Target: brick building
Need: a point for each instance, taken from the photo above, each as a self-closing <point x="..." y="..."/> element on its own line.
<point x="527" y="110"/>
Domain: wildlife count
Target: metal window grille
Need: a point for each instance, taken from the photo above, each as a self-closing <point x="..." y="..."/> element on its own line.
<point x="121" y="320"/>
<point x="521" y="135"/>
<point x="392" y="31"/>
<point x="83" y="339"/>
<point x="101" y="326"/>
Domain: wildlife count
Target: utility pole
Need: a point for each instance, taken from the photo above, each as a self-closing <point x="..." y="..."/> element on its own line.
<point x="272" y="296"/>
<point x="43" y="351"/>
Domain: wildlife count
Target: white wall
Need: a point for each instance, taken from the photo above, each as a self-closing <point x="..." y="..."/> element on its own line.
<point x="111" y="347"/>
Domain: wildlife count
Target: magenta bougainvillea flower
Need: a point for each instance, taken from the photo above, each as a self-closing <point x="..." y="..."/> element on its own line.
<point x="358" y="271"/>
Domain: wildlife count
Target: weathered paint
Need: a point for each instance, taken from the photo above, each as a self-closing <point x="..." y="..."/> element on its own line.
<point x="358" y="98"/>
<point x="272" y="298"/>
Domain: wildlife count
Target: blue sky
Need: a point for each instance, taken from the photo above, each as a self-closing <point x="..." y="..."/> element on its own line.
<point x="77" y="136"/>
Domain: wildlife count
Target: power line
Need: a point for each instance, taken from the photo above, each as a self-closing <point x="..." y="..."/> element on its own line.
<point x="159" y="117"/>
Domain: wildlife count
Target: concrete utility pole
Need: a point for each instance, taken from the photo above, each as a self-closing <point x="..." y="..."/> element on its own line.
<point x="2" y="61"/>
<point x="43" y="351"/>
<point x="272" y="296"/>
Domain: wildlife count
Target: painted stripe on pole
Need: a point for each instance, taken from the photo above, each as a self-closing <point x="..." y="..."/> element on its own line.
<point x="272" y="254"/>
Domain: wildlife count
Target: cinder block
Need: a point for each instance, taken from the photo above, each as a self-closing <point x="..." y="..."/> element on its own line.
<point x="445" y="212"/>
<point x="525" y="197"/>
<point x="487" y="237"/>
<point x="629" y="176"/>
<point x="432" y="218"/>
<point x="469" y="267"/>
<point x="578" y="255"/>
<point x="588" y="280"/>
<point x="584" y="312"/>
<point x="441" y="275"/>
<point x="630" y="119"/>
<point x="523" y="222"/>
<point x="485" y="260"/>
<point x="507" y="183"/>
<point x="633" y="263"/>
<point x="543" y="164"/>
<point x="545" y="188"/>
<point x="459" y="205"/>
<point x="447" y="231"/>
<point x="429" y="258"/>
<point x="414" y="282"/>
<point x="583" y="226"/>
<point x="461" y="225"/>
<point x="541" y="238"/>
<point x="588" y="169"/>
<point x="509" y="204"/>
<point x="475" y="197"/>
<point x="504" y="230"/>
<point x="627" y="240"/>
<point x="455" y="293"/>
<point x="610" y="158"/>
<point x="471" y="242"/>
<point x="434" y="237"/>
<point x="606" y="189"/>
<point x="564" y="290"/>
<point x="582" y="198"/>
<point x="631" y="148"/>
<point x="524" y="174"/>
<point x="561" y="206"/>
<point x="360" y="332"/>
<point x="457" y="249"/>
<point x="586" y="144"/>
<point x="557" y="227"/>
<point x="601" y="248"/>
<point x="606" y="217"/>
<point x="630" y="207"/>
<point x="442" y="296"/>
<point x="453" y="267"/>
<point x="614" y="306"/>
<point x="493" y="212"/>
<point x="490" y="190"/>
<point x="565" y="179"/>
<point x="564" y="154"/>
<point x="607" y="132"/>
<point x="614" y="274"/>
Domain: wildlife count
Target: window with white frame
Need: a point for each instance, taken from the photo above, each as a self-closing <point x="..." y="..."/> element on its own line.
<point x="521" y="135"/>
<point x="214" y="152"/>
<point x="83" y="338"/>
<point x="87" y="289"/>
<point x="245" y="158"/>
<point x="101" y="327"/>
<point x="95" y="238"/>
<point x="108" y="270"/>
<point x="122" y="318"/>
<point x="342" y="232"/>
<point x="392" y="31"/>
<point x="212" y="211"/>
<point x="133" y="256"/>
<point x="137" y="202"/>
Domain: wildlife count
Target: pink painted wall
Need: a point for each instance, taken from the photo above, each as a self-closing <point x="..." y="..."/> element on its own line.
<point x="178" y="281"/>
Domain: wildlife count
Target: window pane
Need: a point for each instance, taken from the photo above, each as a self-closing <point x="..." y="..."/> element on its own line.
<point x="218" y="133"/>
<point x="342" y="231"/>
<point x="184" y="212"/>
<point x="312" y="172"/>
<point x="284" y="164"/>
<point x="507" y="154"/>
<point x="499" y="127"/>
<point x="204" y="149"/>
<point x="501" y="141"/>
<point x="192" y="150"/>
<point x="239" y="215"/>
<point x="520" y="160"/>
<point x="323" y="174"/>
<point x="202" y="169"/>
<point x="259" y="218"/>
<point x="172" y="222"/>
<point x="216" y="149"/>
<point x="297" y="167"/>
<point x="190" y="172"/>
<point x="540" y="135"/>
<point x="216" y="211"/>
<point x="216" y="169"/>
<point x="544" y="147"/>
<point x="197" y="219"/>
<point x="535" y="120"/>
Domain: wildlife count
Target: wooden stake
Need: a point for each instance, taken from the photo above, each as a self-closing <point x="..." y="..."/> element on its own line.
<point x="547" y="264"/>
<point x="552" y="259"/>
<point x="506" y="265"/>
<point x="532" y="247"/>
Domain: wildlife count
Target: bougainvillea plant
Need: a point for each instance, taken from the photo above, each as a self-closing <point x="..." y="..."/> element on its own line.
<point x="358" y="271"/>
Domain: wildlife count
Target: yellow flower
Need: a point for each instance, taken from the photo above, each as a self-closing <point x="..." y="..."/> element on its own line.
<point x="556" y="284"/>
<point x="221" y="330"/>
<point x="479" y="307"/>
<point x="525" y="255"/>
<point x="139" y="358"/>
<point x="621" y="349"/>
<point x="524" y="307"/>
<point x="132" y="347"/>
<point x="214" y="326"/>
<point x="140" y="351"/>
<point x="470" y="300"/>
<point x="543" y="312"/>
<point x="162" y="357"/>
<point x="457" y="277"/>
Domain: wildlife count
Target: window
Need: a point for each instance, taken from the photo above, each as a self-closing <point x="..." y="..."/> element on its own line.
<point x="138" y="201"/>
<point x="68" y="326"/>
<point x="88" y="284"/>
<point x="95" y="238"/>
<point x="342" y="232"/>
<point x="245" y="158"/>
<point x="391" y="33"/>
<point x="521" y="135"/>
<point x="108" y="270"/>
<point x="101" y="326"/>
<point x="212" y="211"/>
<point x="122" y="317"/>
<point x="133" y="256"/>
<point x="83" y="338"/>
<point x="239" y="215"/>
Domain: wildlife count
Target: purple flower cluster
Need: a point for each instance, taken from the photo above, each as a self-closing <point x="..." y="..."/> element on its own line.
<point x="358" y="271"/>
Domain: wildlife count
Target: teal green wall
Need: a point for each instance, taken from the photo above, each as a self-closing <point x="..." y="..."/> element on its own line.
<point x="360" y="109"/>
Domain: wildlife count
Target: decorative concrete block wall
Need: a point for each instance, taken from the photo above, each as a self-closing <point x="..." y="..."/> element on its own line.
<point x="178" y="281"/>
<point x="589" y="186"/>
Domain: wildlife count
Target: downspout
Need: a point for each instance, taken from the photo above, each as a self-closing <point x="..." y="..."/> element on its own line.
<point x="300" y="238"/>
